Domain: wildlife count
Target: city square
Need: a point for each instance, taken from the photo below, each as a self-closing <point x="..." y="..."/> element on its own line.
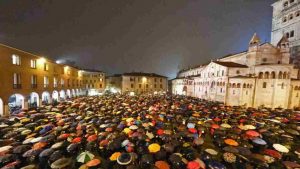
<point x="141" y="84"/>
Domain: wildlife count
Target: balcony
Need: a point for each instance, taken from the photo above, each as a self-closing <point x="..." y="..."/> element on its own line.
<point x="17" y="86"/>
<point x="33" y="86"/>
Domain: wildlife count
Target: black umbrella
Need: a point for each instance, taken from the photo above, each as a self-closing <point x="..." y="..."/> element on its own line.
<point x="31" y="153"/>
<point x="21" y="149"/>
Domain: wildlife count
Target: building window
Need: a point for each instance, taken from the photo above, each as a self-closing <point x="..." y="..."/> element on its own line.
<point x="297" y="13"/>
<point x="297" y="95"/>
<point x="33" y="63"/>
<point x="161" y="86"/>
<point x="131" y="85"/>
<point x="287" y="35"/>
<point x="100" y="85"/>
<point x="221" y="90"/>
<point x="282" y="85"/>
<point x="140" y="85"/>
<point x="147" y="86"/>
<point x="233" y="92"/>
<point x="17" y="81"/>
<point x="292" y="1"/>
<point x="33" y="81"/>
<point x="55" y="83"/>
<point x="160" y="80"/>
<point x="291" y="17"/>
<point x="46" y="81"/>
<point x="238" y="72"/>
<point x="273" y="75"/>
<point x="265" y="85"/>
<point x="284" y="19"/>
<point x="16" y="60"/>
<point x="264" y="59"/>
<point x="285" y="4"/>
<point x="154" y="85"/>
<point x="292" y="34"/>
<point x="62" y="82"/>
<point x="46" y="67"/>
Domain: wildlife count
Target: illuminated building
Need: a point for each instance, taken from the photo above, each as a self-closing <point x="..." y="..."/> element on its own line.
<point x="260" y="76"/>
<point x="28" y="80"/>
<point x="137" y="83"/>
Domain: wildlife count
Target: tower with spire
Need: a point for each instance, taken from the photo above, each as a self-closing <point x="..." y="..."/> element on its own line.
<point x="253" y="50"/>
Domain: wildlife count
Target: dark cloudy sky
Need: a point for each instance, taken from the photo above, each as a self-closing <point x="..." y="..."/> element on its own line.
<point x="118" y="36"/>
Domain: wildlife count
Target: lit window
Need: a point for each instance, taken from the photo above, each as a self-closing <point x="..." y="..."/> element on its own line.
<point x="55" y="82"/>
<point x="33" y="63"/>
<point x="46" y="81"/>
<point x="46" y="67"/>
<point x="33" y="81"/>
<point x="17" y="81"/>
<point x="62" y="82"/>
<point x="16" y="60"/>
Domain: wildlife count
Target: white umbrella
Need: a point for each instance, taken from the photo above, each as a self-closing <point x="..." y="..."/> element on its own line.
<point x="280" y="148"/>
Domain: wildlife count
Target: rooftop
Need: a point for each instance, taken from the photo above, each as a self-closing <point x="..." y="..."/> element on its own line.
<point x="230" y="64"/>
<point x="143" y="74"/>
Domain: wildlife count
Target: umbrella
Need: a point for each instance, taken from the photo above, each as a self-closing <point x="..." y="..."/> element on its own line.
<point x="61" y="163"/>
<point x="211" y="151"/>
<point x="85" y="157"/>
<point x="154" y="147"/>
<point x="252" y="133"/>
<point x="290" y="164"/>
<point x="231" y="149"/>
<point x="39" y="145"/>
<point x="21" y="149"/>
<point x="259" y="141"/>
<point x="93" y="163"/>
<point x="280" y="148"/>
<point x="46" y="152"/>
<point x="231" y="142"/>
<point x="5" y="148"/>
<point x="225" y="125"/>
<point x="162" y="165"/>
<point x="32" y="152"/>
<point x="272" y="153"/>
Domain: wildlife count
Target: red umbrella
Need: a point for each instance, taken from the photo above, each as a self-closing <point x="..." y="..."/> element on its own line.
<point x="272" y="153"/>
<point x="76" y="140"/>
<point x="92" y="138"/>
<point x="160" y="132"/>
<point x="64" y="136"/>
<point x="217" y="119"/>
<point x="252" y="133"/>
<point x="192" y="130"/>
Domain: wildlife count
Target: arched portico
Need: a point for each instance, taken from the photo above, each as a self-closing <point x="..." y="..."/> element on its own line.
<point x="33" y="100"/>
<point x="55" y="96"/>
<point x="46" y="97"/>
<point x="62" y="95"/>
<point x="1" y="107"/>
<point x="16" y="102"/>
<point x="68" y="93"/>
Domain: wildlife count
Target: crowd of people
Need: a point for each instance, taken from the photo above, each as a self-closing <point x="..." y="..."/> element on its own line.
<point x="149" y="132"/>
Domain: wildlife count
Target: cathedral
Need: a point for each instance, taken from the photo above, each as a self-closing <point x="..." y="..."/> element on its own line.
<point x="262" y="76"/>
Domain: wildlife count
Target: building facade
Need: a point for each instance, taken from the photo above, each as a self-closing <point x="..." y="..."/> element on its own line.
<point x="93" y="81"/>
<point x="28" y="80"/>
<point x="260" y="76"/>
<point x="137" y="83"/>
<point x="286" y="22"/>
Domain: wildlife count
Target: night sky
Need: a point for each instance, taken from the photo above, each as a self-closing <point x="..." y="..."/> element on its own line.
<point x="118" y="36"/>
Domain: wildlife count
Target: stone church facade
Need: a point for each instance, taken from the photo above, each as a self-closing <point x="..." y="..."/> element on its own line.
<point x="260" y="76"/>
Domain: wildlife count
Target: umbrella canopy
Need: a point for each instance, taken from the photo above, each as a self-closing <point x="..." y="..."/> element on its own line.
<point x="85" y="157"/>
<point x="280" y="148"/>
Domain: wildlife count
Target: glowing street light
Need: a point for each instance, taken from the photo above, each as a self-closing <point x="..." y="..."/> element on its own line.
<point x="42" y="60"/>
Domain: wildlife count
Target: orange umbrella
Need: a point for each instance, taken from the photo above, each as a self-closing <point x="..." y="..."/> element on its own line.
<point x="252" y="133"/>
<point x="39" y="145"/>
<point x="162" y="165"/>
<point x="231" y="142"/>
<point x="93" y="163"/>
<point x="215" y="126"/>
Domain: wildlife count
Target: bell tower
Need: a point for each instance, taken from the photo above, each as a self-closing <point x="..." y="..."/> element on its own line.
<point x="253" y="50"/>
<point x="284" y="49"/>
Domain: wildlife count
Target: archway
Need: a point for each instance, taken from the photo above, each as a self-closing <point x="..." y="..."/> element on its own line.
<point x="33" y="100"/>
<point x="46" y="97"/>
<point x="73" y="93"/>
<point x="1" y="107"/>
<point x="184" y="90"/>
<point x="62" y="95"/>
<point x="69" y="94"/>
<point x="15" y="103"/>
<point x="77" y="92"/>
<point x="55" y="96"/>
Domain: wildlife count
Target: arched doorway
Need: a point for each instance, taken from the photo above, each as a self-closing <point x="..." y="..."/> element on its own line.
<point x="33" y="100"/>
<point x="184" y="90"/>
<point x="69" y="94"/>
<point x="16" y="102"/>
<point x="77" y="92"/>
<point x="46" y="98"/>
<point x="73" y="93"/>
<point x="1" y="107"/>
<point x="55" y="96"/>
<point x="62" y="95"/>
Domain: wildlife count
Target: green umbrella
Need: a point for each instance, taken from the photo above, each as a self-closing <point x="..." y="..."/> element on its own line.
<point x="85" y="157"/>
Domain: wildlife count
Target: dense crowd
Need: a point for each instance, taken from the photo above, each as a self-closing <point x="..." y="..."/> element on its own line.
<point x="149" y="132"/>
